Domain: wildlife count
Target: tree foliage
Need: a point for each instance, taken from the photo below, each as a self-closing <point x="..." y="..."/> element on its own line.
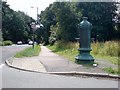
<point x="47" y="19"/>
<point x="67" y="15"/>
<point x="66" y="20"/>
<point x="15" y="25"/>
<point x="60" y="22"/>
<point x="101" y="15"/>
<point x="60" y="15"/>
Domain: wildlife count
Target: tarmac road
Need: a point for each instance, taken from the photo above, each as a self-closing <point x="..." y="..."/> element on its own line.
<point x="9" y="51"/>
<point x="13" y="78"/>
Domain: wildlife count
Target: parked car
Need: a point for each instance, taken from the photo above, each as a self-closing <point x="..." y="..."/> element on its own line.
<point x="30" y="42"/>
<point x="19" y="42"/>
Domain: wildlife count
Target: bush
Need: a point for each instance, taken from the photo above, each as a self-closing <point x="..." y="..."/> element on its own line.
<point x="112" y="70"/>
<point x="67" y="45"/>
<point x="110" y="48"/>
<point x="1" y="44"/>
<point x="95" y="47"/>
<point x="104" y="50"/>
<point x="7" y="42"/>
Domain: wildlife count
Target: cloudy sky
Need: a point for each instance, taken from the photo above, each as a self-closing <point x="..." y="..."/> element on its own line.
<point x="25" y="6"/>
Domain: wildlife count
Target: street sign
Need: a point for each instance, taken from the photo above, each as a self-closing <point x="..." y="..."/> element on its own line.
<point x="33" y="25"/>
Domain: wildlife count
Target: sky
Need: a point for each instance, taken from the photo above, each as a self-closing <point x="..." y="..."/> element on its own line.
<point x="25" y="6"/>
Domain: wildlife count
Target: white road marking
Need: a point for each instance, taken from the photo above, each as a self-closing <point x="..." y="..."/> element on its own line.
<point x="2" y="65"/>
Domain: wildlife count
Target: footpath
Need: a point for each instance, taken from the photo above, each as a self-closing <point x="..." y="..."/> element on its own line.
<point x="49" y="62"/>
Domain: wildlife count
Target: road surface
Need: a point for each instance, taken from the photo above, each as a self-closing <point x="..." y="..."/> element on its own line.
<point x="8" y="51"/>
<point x="13" y="78"/>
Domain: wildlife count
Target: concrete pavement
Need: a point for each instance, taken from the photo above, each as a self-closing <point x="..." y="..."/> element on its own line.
<point x="29" y="64"/>
<point x="49" y="62"/>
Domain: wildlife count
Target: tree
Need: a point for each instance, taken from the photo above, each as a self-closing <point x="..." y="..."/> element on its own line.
<point x="47" y="18"/>
<point x="101" y="15"/>
<point x="60" y="15"/>
<point x="117" y="21"/>
<point x="64" y="17"/>
<point x="15" y="25"/>
<point x="40" y="35"/>
<point x="66" y="20"/>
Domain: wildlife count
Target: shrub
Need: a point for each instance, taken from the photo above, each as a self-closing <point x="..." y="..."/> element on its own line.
<point x="110" y="48"/>
<point x="7" y="42"/>
<point x="67" y="45"/>
<point x="95" y="47"/>
<point x="1" y="44"/>
<point x="111" y="70"/>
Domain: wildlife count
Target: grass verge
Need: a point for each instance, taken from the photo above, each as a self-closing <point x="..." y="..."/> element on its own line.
<point x="28" y="52"/>
<point x="113" y="59"/>
<point x="70" y="51"/>
<point x="111" y="70"/>
<point x="67" y="53"/>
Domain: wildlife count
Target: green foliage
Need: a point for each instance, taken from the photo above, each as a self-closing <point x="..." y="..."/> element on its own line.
<point x="1" y="44"/>
<point x="65" y="17"/>
<point x="29" y="52"/>
<point x="60" y="17"/>
<point x="107" y="50"/>
<point x="15" y="25"/>
<point x="8" y="42"/>
<point x="69" y="50"/>
<point x="117" y="20"/>
<point x="53" y="35"/>
<point x="39" y="35"/>
<point x="100" y="14"/>
<point x="110" y="48"/>
<point x="66" y="20"/>
<point x="60" y="22"/>
<point x="67" y="45"/>
<point x="111" y="70"/>
<point x="47" y="19"/>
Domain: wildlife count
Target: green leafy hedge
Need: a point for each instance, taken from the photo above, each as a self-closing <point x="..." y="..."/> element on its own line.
<point x="5" y="43"/>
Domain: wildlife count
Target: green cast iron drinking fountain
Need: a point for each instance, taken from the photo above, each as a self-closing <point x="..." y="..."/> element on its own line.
<point x="85" y="40"/>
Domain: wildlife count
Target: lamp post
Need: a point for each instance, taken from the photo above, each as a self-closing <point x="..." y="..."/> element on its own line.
<point x="37" y="13"/>
<point x="33" y="26"/>
<point x="36" y="25"/>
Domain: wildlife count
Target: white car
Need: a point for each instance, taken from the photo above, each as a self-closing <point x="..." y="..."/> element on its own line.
<point x="19" y="42"/>
<point x="30" y="42"/>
